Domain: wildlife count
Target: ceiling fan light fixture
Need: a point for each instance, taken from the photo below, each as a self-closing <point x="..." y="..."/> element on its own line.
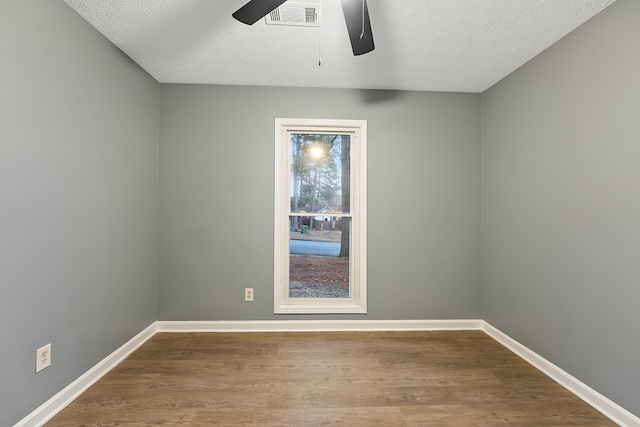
<point x="356" y="16"/>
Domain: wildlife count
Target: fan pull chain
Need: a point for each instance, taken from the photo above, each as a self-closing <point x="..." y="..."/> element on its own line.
<point x="362" y="33"/>
<point x="319" y="44"/>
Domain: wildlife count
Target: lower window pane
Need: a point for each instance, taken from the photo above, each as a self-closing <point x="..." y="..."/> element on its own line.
<point x="319" y="257"/>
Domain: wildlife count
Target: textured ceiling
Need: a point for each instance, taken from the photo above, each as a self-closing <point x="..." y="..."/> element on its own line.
<point x="427" y="45"/>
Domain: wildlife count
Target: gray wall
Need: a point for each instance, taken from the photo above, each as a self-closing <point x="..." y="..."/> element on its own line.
<point x="561" y="204"/>
<point x="216" y="199"/>
<point x="78" y="196"/>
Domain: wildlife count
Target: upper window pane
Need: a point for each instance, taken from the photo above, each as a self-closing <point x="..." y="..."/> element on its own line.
<point x="320" y="174"/>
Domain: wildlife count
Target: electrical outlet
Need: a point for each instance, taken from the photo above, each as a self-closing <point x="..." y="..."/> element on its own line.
<point x="43" y="357"/>
<point x="248" y="294"/>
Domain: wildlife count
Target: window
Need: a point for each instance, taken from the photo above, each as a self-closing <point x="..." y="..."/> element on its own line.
<point x="320" y="216"/>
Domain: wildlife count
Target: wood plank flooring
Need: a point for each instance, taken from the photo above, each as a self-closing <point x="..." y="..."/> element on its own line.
<point x="391" y="379"/>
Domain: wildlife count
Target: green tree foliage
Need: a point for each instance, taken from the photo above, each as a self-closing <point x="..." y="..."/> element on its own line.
<point x="345" y="162"/>
<point x="321" y="176"/>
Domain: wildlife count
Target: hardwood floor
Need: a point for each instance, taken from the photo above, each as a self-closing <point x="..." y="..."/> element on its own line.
<point x="326" y="379"/>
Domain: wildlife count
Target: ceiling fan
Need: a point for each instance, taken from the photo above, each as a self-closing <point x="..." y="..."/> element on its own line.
<point x="356" y="16"/>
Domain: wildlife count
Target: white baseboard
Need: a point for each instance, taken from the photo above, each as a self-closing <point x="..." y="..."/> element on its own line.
<point x="51" y="407"/>
<point x="318" y="325"/>
<point x="607" y="407"/>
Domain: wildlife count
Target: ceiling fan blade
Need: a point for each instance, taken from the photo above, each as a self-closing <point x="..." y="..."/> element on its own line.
<point x="358" y="25"/>
<point x="255" y="10"/>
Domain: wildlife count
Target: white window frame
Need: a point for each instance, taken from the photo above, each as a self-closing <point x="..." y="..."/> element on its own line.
<point x="357" y="302"/>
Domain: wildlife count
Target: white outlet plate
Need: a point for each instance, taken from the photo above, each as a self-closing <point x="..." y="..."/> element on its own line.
<point x="43" y="357"/>
<point x="248" y="294"/>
